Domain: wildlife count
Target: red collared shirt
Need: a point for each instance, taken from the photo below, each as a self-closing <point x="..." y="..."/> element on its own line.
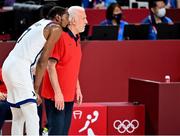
<point x="67" y="52"/>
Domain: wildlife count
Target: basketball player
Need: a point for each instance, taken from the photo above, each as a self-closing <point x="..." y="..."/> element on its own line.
<point x="33" y="47"/>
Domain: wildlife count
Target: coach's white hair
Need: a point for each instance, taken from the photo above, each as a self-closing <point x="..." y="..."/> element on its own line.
<point x="73" y="11"/>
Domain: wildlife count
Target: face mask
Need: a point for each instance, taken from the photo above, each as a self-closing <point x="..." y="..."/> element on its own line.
<point x="161" y="12"/>
<point x="117" y="17"/>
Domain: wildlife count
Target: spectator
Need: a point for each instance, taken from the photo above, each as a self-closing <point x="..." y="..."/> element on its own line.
<point x="5" y="111"/>
<point x="108" y="2"/>
<point x="97" y="4"/>
<point x="88" y="3"/>
<point x="114" y="17"/>
<point x="178" y="3"/>
<point x="171" y="3"/>
<point x="157" y="16"/>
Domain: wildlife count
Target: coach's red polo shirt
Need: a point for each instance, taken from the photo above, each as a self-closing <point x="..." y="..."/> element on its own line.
<point x="67" y="52"/>
<point x="2" y="85"/>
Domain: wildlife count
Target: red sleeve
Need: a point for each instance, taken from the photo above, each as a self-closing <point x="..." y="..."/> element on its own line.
<point x="58" y="50"/>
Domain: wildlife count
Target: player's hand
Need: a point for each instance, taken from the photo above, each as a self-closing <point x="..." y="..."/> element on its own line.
<point x="3" y="96"/>
<point x="38" y="99"/>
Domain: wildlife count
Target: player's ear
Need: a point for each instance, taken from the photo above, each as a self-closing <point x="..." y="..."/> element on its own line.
<point x="58" y="17"/>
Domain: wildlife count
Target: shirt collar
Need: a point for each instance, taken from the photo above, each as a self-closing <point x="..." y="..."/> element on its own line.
<point x="72" y="35"/>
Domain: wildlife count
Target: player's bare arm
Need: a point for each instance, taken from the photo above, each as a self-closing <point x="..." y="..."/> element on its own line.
<point x="52" y="34"/>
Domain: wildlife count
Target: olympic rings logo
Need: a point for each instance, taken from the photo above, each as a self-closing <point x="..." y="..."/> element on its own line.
<point x="126" y="126"/>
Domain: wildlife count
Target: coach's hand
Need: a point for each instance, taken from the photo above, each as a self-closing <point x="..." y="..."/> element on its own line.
<point x="59" y="100"/>
<point x="79" y="96"/>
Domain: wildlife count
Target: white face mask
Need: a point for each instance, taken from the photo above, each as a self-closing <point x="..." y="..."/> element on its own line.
<point x="161" y="12"/>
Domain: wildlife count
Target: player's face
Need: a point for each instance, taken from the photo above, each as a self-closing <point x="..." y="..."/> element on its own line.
<point x="65" y="19"/>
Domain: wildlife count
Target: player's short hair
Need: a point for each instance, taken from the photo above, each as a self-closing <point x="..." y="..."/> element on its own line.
<point x="56" y="10"/>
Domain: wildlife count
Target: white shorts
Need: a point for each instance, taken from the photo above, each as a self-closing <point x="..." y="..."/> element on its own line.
<point x="18" y="80"/>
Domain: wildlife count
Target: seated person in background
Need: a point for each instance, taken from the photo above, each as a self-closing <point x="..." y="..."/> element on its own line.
<point x="97" y="4"/>
<point x="114" y="17"/>
<point x="178" y="3"/>
<point x="103" y="4"/>
<point x="157" y="15"/>
<point x="5" y="111"/>
<point x="172" y="3"/>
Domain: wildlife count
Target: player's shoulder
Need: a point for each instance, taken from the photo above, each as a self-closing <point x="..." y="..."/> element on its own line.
<point x="53" y="29"/>
<point x="54" y="26"/>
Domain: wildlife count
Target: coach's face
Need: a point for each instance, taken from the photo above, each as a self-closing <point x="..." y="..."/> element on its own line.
<point x="80" y="21"/>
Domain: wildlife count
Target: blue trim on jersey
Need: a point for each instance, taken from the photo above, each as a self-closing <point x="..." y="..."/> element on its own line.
<point x="36" y="57"/>
<point x="17" y="105"/>
<point x="35" y="62"/>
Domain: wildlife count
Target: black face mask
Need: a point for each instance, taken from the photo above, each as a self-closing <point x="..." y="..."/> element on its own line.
<point x="117" y="17"/>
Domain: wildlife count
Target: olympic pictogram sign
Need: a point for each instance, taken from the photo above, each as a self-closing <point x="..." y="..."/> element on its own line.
<point x="126" y="126"/>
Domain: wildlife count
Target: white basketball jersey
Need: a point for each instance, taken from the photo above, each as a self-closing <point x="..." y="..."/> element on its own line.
<point x="31" y="42"/>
